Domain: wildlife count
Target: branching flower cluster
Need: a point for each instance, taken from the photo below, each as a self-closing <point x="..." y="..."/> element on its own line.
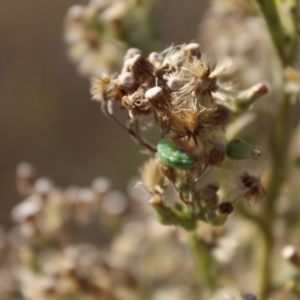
<point x="99" y="33"/>
<point x="186" y="112"/>
<point x="46" y="259"/>
<point x="191" y="102"/>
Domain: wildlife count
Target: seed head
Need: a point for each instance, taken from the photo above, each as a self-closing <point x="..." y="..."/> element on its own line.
<point x="152" y="178"/>
<point x="226" y="208"/>
<point x="25" y="171"/>
<point x="156" y="200"/>
<point x="254" y="191"/>
<point x="174" y="81"/>
<point x="155" y="94"/>
<point x="156" y="59"/>
<point x="192" y="50"/>
<point x="105" y="88"/>
<point x="168" y="172"/>
<point x="137" y="104"/>
<point x="217" y="154"/>
<point x="218" y="115"/>
<point x="141" y="68"/>
<point x="100" y="187"/>
<point x="222" y="68"/>
<point x="30" y="207"/>
<point x="159" y="102"/>
<point x="291" y="254"/>
<point x="209" y="193"/>
<point x="24" y="177"/>
<point x="198" y="78"/>
<point x="184" y="123"/>
<point x="131" y="52"/>
<point x="126" y="80"/>
<point x="43" y="186"/>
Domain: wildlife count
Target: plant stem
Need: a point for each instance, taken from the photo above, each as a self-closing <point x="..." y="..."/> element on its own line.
<point x="286" y="52"/>
<point x="203" y="261"/>
<point x="270" y="13"/>
<point x="279" y="170"/>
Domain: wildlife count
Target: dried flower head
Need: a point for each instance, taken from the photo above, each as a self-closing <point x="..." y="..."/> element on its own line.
<point x="100" y="187"/>
<point x="226" y="208"/>
<point x="184" y="123"/>
<point x="291" y="254"/>
<point x="217" y="154"/>
<point x="43" y="187"/>
<point x="24" y="177"/>
<point x="254" y="191"/>
<point x="197" y="79"/>
<point x="152" y="178"/>
<point x="190" y="101"/>
<point x="209" y="193"/>
<point x="140" y="67"/>
<point x="137" y="104"/>
<point x="94" y="33"/>
<point x="105" y="88"/>
<point x="25" y="171"/>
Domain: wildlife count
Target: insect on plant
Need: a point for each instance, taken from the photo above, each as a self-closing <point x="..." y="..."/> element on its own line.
<point x="174" y="157"/>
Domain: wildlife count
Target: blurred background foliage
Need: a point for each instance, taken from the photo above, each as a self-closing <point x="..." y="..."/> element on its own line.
<point x="46" y="115"/>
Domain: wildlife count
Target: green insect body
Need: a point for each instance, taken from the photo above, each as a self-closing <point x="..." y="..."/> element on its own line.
<point x="173" y="157"/>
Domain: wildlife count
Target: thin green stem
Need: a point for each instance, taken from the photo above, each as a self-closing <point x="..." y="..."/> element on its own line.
<point x="285" y="46"/>
<point x="279" y="170"/>
<point x="204" y="263"/>
<point x="283" y="42"/>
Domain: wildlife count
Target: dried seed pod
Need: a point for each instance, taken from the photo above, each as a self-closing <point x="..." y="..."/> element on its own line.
<point x="28" y="209"/>
<point x="152" y="177"/>
<point x="159" y="103"/>
<point x="126" y="80"/>
<point x="219" y="115"/>
<point x="25" y="171"/>
<point x="92" y="40"/>
<point x="156" y="200"/>
<point x="226" y="208"/>
<point x="85" y="206"/>
<point x="217" y="154"/>
<point x="209" y="193"/>
<point x="105" y="88"/>
<point x="254" y="191"/>
<point x="174" y="81"/>
<point x="156" y="59"/>
<point x="141" y="68"/>
<point x="43" y="186"/>
<point x="291" y="254"/>
<point x="156" y="94"/>
<point x="137" y="104"/>
<point x="114" y="204"/>
<point x="132" y="52"/>
<point x="75" y="13"/>
<point x="100" y="187"/>
<point x="168" y="173"/>
<point x="184" y="123"/>
<point x="192" y="50"/>
<point x="24" y="177"/>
